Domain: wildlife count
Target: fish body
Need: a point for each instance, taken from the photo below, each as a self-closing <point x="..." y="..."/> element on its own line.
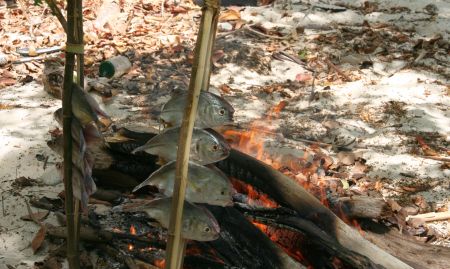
<point x="80" y="157"/>
<point x="213" y="110"/>
<point x="197" y="223"/>
<point x="85" y="108"/>
<point x="206" y="147"/>
<point x="84" y="159"/>
<point x="83" y="185"/>
<point x="204" y="185"/>
<point x="87" y="136"/>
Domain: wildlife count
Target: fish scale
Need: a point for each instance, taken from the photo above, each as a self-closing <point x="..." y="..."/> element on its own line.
<point x="205" y="185"/>
<point x="206" y="147"/>
<point x="212" y="110"/>
<point x="197" y="223"/>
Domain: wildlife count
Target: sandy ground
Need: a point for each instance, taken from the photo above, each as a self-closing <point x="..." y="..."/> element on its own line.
<point x="26" y="120"/>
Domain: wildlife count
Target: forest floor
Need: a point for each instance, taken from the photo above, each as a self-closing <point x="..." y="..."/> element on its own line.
<point x="377" y="102"/>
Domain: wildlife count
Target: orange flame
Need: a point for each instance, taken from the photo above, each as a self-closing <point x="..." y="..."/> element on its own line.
<point x="160" y="263"/>
<point x="132" y="230"/>
<point x="286" y="239"/>
<point x="253" y="195"/>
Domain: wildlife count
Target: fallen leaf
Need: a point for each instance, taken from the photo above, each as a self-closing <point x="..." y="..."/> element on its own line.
<point x="427" y="150"/>
<point x="7" y="82"/>
<point x="346" y="158"/>
<point x="230" y="15"/>
<point x="38" y="216"/>
<point x="217" y="55"/>
<point x="303" y="77"/>
<point x="38" y="239"/>
<point x="225" y="88"/>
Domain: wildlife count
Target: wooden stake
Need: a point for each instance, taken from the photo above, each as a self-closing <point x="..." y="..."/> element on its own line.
<point x="197" y="81"/>
<point x="74" y="41"/>
<point x="72" y="255"/>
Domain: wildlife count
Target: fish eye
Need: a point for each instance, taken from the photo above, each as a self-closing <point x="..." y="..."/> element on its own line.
<point x="215" y="147"/>
<point x="207" y="229"/>
<point x="222" y="192"/>
<point x="222" y="111"/>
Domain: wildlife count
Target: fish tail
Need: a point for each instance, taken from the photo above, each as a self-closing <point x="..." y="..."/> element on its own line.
<point x="138" y="149"/>
<point x="144" y="183"/>
<point x="92" y="135"/>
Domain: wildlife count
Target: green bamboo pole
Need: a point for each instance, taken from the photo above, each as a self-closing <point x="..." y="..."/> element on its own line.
<point x="175" y="242"/>
<point x="72" y="255"/>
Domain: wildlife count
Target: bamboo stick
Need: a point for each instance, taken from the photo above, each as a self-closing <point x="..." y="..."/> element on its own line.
<point x="72" y="256"/>
<point x="57" y="12"/>
<point x="212" y="38"/>
<point x="196" y="82"/>
<point x="78" y="32"/>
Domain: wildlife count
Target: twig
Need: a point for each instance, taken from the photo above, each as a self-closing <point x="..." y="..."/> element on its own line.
<point x="433" y="216"/>
<point x="337" y="70"/>
<point x="57" y="12"/>
<point x="313" y="93"/>
<point x="313" y="142"/>
<point x="120" y="256"/>
<point x="436" y="158"/>
<point x="32" y="216"/>
<point x="248" y="28"/>
<point x="45" y="162"/>
<point x="3" y="206"/>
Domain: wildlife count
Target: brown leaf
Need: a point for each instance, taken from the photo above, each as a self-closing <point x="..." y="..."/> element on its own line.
<point x="38" y="216"/>
<point x="7" y="82"/>
<point x="38" y="239"/>
<point x="230" y="15"/>
<point x="303" y="77"/>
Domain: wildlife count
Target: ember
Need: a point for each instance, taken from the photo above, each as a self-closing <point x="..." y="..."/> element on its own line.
<point x="133" y="232"/>
<point x="254" y="197"/>
<point x="286" y="239"/>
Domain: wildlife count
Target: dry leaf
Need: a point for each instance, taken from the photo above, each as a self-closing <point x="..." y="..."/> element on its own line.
<point x="7" y="82"/>
<point x="230" y="15"/>
<point x="38" y="216"/>
<point x="303" y="77"/>
<point x="38" y="239"/>
<point x="225" y="88"/>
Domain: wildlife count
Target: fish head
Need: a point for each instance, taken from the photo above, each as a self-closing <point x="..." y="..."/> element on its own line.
<point x="223" y="112"/>
<point x="220" y="192"/>
<point x="211" y="148"/>
<point x="207" y="228"/>
<point x="56" y="144"/>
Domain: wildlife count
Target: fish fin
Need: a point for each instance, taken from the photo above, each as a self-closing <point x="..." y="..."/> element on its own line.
<point x="92" y="135"/>
<point x="138" y="149"/>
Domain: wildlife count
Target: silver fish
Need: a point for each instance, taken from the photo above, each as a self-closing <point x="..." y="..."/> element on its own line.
<point x="80" y="157"/>
<point x="198" y="223"/>
<point x="204" y="185"/>
<point x="85" y="108"/>
<point x="85" y="159"/>
<point x="213" y="110"/>
<point x="87" y="136"/>
<point x="82" y="184"/>
<point x="206" y="147"/>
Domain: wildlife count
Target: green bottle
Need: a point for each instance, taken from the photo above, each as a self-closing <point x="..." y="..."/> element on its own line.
<point x="114" y="67"/>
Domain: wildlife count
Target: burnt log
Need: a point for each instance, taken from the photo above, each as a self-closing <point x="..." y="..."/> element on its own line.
<point x="361" y="207"/>
<point x="290" y="194"/>
<point x="419" y="255"/>
<point x="319" y="249"/>
<point x="240" y="242"/>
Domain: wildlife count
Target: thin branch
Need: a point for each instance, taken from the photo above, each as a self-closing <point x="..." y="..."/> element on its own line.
<point x="57" y="12"/>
